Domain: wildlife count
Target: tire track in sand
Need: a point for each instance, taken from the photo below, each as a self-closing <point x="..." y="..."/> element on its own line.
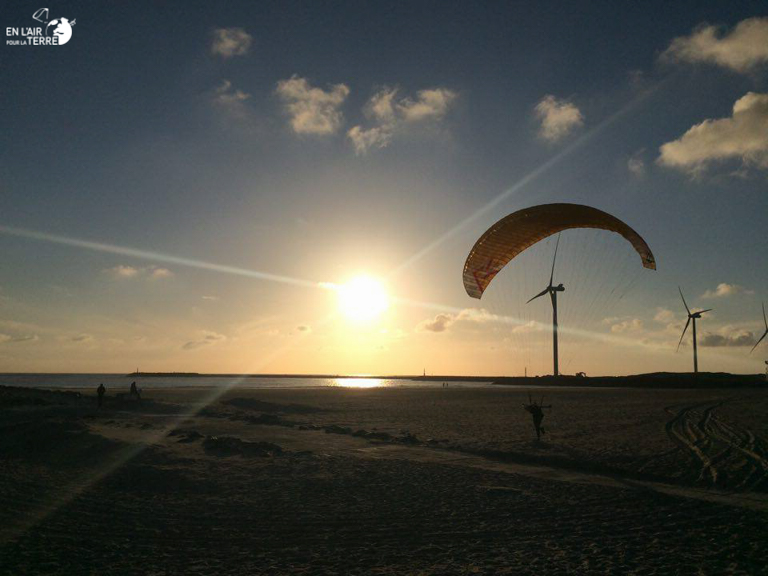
<point x="726" y="454"/>
<point x="687" y="434"/>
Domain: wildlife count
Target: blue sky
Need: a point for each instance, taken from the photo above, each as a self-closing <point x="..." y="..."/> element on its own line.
<point x="318" y="141"/>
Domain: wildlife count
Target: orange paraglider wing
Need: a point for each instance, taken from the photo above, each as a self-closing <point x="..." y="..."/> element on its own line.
<point x="524" y="228"/>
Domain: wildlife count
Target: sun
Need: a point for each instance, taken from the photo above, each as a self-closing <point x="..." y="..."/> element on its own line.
<point x="363" y="299"/>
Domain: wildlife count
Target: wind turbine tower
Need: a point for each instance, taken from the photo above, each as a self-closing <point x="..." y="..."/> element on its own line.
<point x="552" y="291"/>
<point x="765" y="321"/>
<point x="691" y="316"/>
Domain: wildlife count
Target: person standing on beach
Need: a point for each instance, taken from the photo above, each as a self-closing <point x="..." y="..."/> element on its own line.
<point x="537" y="412"/>
<point x="135" y="391"/>
<point x="100" y="393"/>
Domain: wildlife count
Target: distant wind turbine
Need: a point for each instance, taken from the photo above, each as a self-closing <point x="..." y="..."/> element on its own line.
<point x="764" y="333"/>
<point x="552" y="291"/>
<point x="691" y="316"/>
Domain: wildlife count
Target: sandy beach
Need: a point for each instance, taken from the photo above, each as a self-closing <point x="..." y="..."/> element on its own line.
<point x="384" y="481"/>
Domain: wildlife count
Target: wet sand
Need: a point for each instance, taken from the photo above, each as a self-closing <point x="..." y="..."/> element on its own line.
<point x="384" y="481"/>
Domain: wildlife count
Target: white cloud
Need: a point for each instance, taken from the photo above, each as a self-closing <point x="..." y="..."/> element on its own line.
<point x="381" y="106"/>
<point x="312" y="110"/>
<point x="391" y="115"/>
<point x="741" y="49"/>
<point x="723" y="290"/>
<point x="18" y="339"/>
<point x="636" y="164"/>
<point x="530" y="326"/>
<point x="727" y="336"/>
<point x="376" y="137"/>
<point x="206" y="339"/>
<point x="211" y="298"/>
<point x="664" y="316"/>
<point x="674" y="328"/>
<point x="443" y="321"/>
<point x="476" y="315"/>
<point x="81" y="338"/>
<point x="631" y="325"/>
<point x="229" y="42"/>
<point x="558" y="118"/>
<point x="122" y="271"/>
<point x="743" y="136"/>
<point x="160" y="273"/>
<point x="429" y="105"/>
<point x="26" y="338"/>
<point x="440" y="323"/>
<point x="226" y="95"/>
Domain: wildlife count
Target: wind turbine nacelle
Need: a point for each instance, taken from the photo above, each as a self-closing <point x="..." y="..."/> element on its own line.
<point x="559" y="288"/>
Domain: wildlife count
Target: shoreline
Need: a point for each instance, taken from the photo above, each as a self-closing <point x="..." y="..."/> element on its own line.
<point x="658" y="380"/>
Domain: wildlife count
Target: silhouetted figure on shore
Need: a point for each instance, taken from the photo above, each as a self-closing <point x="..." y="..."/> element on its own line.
<point x="537" y="412"/>
<point x="100" y="393"/>
<point x="135" y="391"/>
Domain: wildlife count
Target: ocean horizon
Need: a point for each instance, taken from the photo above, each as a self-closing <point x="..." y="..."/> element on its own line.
<point x="120" y="381"/>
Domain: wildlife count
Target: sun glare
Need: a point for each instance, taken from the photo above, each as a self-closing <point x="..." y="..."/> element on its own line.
<point x="358" y="382"/>
<point x="362" y="299"/>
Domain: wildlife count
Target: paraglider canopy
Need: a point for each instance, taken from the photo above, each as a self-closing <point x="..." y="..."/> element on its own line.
<point x="522" y="229"/>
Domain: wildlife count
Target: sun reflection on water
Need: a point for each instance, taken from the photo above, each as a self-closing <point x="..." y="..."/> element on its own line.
<point x="358" y="382"/>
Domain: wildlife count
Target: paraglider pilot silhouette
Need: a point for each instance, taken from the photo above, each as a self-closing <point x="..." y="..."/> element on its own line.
<point x="537" y="412"/>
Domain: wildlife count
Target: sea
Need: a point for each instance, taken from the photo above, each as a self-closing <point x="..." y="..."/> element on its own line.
<point x="120" y="381"/>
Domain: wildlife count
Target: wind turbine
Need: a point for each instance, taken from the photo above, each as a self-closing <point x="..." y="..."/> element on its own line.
<point x="764" y="333"/>
<point x="691" y="316"/>
<point x="552" y="291"/>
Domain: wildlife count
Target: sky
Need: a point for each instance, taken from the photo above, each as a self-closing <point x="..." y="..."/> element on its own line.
<point x="185" y="188"/>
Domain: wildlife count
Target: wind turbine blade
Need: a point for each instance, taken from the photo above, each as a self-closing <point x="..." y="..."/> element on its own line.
<point x="684" y="304"/>
<point x="758" y="342"/>
<point x="540" y="294"/>
<point x="552" y="275"/>
<point x="683" y="336"/>
<point x="702" y="311"/>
